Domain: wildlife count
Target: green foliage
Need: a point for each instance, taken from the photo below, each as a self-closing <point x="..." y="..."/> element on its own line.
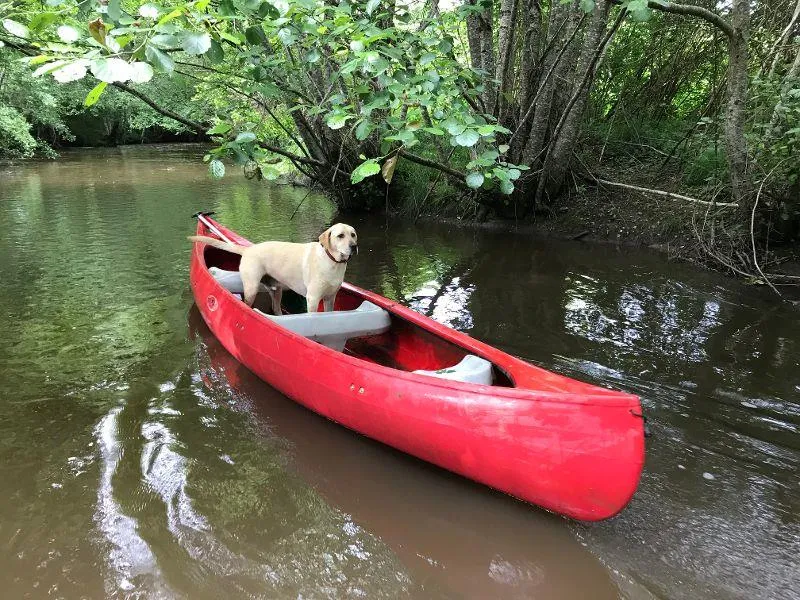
<point x="364" y="170"/>
<point x="395" y="86"/>
<point x="15" y="138"/>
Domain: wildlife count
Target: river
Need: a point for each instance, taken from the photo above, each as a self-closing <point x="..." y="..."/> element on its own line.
<point x="138" y="459"/>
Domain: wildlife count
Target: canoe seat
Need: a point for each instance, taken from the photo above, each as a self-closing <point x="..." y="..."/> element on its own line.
<point x="333" y="329"/>
<point x="232" y="281"/>
<point x="471" y="369"/>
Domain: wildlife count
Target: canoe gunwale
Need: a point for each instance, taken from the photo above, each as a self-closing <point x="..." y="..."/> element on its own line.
<point x="515" y="371"/>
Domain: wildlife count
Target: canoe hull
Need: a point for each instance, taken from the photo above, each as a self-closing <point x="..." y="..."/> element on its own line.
<point x="580" y="455"/>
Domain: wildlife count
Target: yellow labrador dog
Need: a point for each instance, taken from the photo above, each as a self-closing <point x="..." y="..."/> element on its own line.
<point x="314" y="270"/>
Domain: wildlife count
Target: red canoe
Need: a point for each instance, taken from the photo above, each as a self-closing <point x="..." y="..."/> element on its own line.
<point x="567" y="446"/>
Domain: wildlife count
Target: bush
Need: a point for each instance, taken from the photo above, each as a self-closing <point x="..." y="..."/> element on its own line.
<point x="16" y="140"/>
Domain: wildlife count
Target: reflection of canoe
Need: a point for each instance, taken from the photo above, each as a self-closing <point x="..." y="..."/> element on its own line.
<point x="567" y="446"/>
<point x="452" y="536"/>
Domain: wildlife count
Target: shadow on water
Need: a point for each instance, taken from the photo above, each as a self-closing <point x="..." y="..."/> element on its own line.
<point x="454" y="537"/>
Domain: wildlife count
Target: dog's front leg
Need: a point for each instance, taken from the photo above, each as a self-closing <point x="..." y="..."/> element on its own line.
<point x="327" y="303"/>
<point x="312" y="302"/>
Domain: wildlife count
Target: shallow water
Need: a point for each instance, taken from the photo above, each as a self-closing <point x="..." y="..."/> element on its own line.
<point x="138" y="459"/>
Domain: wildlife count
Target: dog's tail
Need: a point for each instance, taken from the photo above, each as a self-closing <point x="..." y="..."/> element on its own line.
<point x="235" y="248"/>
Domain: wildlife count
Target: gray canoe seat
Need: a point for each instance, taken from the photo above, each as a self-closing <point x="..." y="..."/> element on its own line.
<point x="471" y="369"/>
<point x="232" y="281"/>
<point x="333" y="329"/>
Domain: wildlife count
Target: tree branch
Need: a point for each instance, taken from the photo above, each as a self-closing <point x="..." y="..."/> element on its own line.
<point x="660" y="192"/>
<point x="694" y="11"/>
<point x="201" y="129"/>
<point x="433" y="165"/>
<point x="198" y="128"/>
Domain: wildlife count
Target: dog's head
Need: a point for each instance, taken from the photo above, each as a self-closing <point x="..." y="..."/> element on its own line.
<point x="340" y="240"/>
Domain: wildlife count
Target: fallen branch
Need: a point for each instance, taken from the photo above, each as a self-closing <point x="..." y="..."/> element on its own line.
<point x="645" y="190"/>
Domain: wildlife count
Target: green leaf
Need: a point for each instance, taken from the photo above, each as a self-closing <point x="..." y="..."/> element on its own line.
<point x="17" y="29"/>
<point x="356" y="46"/>
<point x="474" y="180"/>
<point x="166" y="41"/>
<point x="68" y="34"/>
<point x="337" y="120"/>
<point x="159" y="59"/>
<point x="513" y="174"/>
<point x="93" y="96"/>
<point x="36" y="60"/>
<point x="141" y="72"/>
<point x="114" y="11"/>
<point x="255" y="35"/>
<point x="503" y="148"/>
<point x="49" y="67"/>
<point x="195" y="43"/>
<point x="506" y="187"/>
<point x="366" y="169"/>
<point x="372" y="5"/>
<point x="227" y="9"/>
<point x="216" y="169"/>
<point x="42" y="20"/>
<point x="427" y="58"/>
<point x="268" y="11"/>
<point x="286" y="36"/>
<point x="245" y="137"/>
<point x="72" y="71"/>
<point x="219" y="129"/>
<point x="215" y="53"/>
<point x="587" y="6"/>
<point x="453" y="127"/>
<point x="404" y="135"/>
<point x="170" y="15"/>
<point x="313" y="56"/>
<point x="638" y="10"/>
<point x="363" y="130"/>
<point x="111" y="70"/>
<point x="376" y="63"/>
<point x="486" y="130"/>
<point x="469" y="138"/>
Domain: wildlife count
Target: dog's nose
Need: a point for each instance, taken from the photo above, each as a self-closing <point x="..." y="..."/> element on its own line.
<point x="354" y="248"/>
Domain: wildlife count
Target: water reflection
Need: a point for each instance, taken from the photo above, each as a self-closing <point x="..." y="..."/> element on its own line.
<point x="133" y="456"/>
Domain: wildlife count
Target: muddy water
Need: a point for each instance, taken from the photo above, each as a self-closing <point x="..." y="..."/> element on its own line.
<point x="138" y="459"/>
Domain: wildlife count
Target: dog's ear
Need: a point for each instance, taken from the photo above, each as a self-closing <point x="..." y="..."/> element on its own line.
<point x="325" y="239"/>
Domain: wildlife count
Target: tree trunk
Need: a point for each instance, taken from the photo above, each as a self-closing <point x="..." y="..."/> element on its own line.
<point x="506" y="50"/>
<point x="560" y="31"/>
<point x="530" y="59"/>
<point x="735" y="143"/>
<point x="564" y="143"/>
<point x="474" y="39"/>
<point x="483" y="24"/>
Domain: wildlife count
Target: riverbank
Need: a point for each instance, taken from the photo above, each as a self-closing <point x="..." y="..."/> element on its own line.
<point x="677" y="228"/>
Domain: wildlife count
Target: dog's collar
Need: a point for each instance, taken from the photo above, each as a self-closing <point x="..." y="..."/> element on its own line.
<point x="331" y="256"/>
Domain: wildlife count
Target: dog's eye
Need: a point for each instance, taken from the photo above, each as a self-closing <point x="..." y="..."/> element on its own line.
<point x="352" y="235"/>
<point x="340" y="236"/>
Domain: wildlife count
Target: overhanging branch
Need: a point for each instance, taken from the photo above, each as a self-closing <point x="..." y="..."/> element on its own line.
<point x="433" y="165"/>
<point x="198" y="128"/>
<point x="694" y="11"/>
